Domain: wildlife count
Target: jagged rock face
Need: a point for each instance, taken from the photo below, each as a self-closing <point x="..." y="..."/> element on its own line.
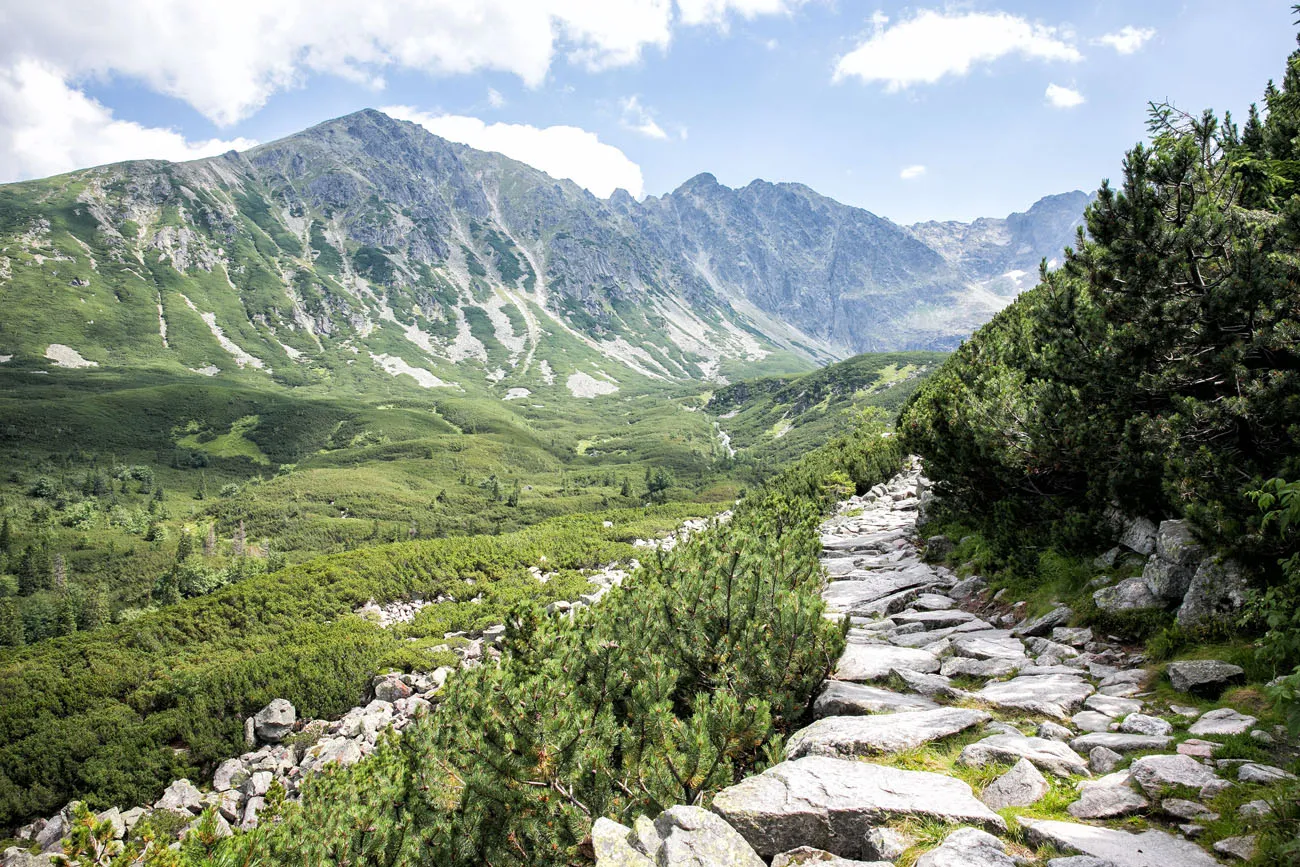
<point x="365" y="223"/>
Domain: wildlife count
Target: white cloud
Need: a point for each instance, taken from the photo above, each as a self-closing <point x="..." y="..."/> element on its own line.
<point x="49" y="128"/>
<point x="1128" y="39"/>
<point x="717" y="11"/>
<point x="1063" y="97"/>
<point x="495" y="99"/>
<point x="560" y="151"/>
<point x="227" y="59"/>
<point x="912" y="172"/>
<point x="638" y="119"/>
<point x="931" y="45"/>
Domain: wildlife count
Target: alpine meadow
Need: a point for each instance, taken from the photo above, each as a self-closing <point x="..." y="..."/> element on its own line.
<point x="417" y="490"/>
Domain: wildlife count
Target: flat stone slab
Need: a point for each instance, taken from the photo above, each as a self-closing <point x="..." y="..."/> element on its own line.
<point x="1223" y="721"/>
<point x="964" y="665"/>
<point x="1203" y="676"/>
<point x="831" y="804"/>
<point x="875" y="542"/>
<point x="934" y="619"/>
<point x="1051" y="756"/>
<point x="851" y="736"/>
<point x="1121" y="742"/>
<point x="1148" y="849"/>
<point x="1156" y="773"/>
<point x="852" y="592"/>
<point x="864" y="662"/>
<point x="1113" y="706"/>
<point x="1107" y="798"/>
<point x="840" y="698"/>
<point x="989" y="644"/>
<point x="1055" y="695"/>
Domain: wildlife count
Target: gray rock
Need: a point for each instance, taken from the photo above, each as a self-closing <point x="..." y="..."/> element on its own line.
<point x="958" y="666"/>
<point x="887" y="844"/>
<point x="230" y="774"/>
<point x="851" y="736"/>
<point x="867" y="662"/>
<point x="251" y="811"/>
<point x="1045" y="647"/>
<point x="1022" y="786"/>
<point x="1120" y="742"/>
<point x="258" y="784"/>
<point x="1113" y="706"/>
<point x="1108" y="559"/>
<point x="221" y="828"/>
<point x="50" y="837"/>
<point x="1053" y="731"/>
<point x="990" y="644"/>
<point x="1167" y="581"/>
<point x="840" y="698"/>
<point x="340" y="751"/>
<point x="1141" y="724"/>
<point x="644" y="837"/>
<point x="1176" y="544"/>
<point x="1051" y="756"/>
<point x="694" y="837"/>
<point x="1107" y="798"/>
<point x="1080" y="861"/>
<point x="1169" y="573"/>
<point x="809" y="855"/>
<point x="933" y="602"/>
<point x="1223" y="721"/>
<point x="114" y="817"/>
<point x="1256" y="809"/>
<point x="1217" y="591"/>
<point x="831" y="803"/>
<point x="938" y="547"/>
<point x="1040" y="626"/>
<point x="934" y="619"/>
<point x="1188" y="811"/>
<point x="1139" y="534"/>
<point x="275" y="721"/>
<point x="1131" y="594"/>
<point x="613" y="849"/>
<point x="180" y="797"/>
<point x="1242" y="848"/>
<point x="1075" y="636"/>
<point x="1103" y="760"/>
<point x="963" y="590"/>
<point x="967" y="847"/>
<point x="1123" y="849"/>
<point x="17" y="857"/>
<point x="928" y="684"/>
<point x="1055" y="695"/>
<point x="1252" y="772"/>
<point x="1092" y="721"/>
<point x="1157" y="773"/>
<point x="132" y="816"/>
<point x="390" y="687"/>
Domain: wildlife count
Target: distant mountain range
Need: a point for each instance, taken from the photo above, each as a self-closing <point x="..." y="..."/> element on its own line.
<point x="368" y="246"/>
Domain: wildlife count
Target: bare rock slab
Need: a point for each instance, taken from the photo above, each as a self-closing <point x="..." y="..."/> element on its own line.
<point x="1120" y="742"/>
<point x="831" y="804"/>
<point x="694" y="837"/>
<point x="1204" y="676"/>
<point x="1022" y="786"/>
<point x="1157" y="773"/>
<point x="822" y="858"/>
<point x="852" y="736"/>
<point x="867" y="662"/>
<point x="967" y="847"/>
<point x="1056" y="695"/>
<point x="1051" y="756"/>
<point x="1148" y="849"/>
<point x="1223" y="721"/>
<point x="840" y="698"/>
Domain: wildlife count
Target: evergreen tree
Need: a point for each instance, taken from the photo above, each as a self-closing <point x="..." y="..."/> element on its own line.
<point x="69" y="613"/>
<point x="6" y="535"/>
<point x="11" y="624"/>
<point x="185" y="545"/>
<point x="626" y="489"/>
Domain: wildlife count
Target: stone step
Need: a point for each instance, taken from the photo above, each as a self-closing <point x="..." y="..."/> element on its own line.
<point x="852" y="736"/>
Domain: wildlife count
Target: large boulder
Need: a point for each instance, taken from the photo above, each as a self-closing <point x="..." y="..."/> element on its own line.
<point x="1138" y="534"/>
<point x="274" y="722"/>
<point x="866" y="662"/>
<point x="967" y="847"/>
<point x="1221" y="722"/>
<point x="613" y="846"/>
<point x="1051" y="756"/>
<point x="1167" y="581"/>
<point x="1176" y="544"/>
<point x="1131" y="594"/>
<point x="1041" y="626"/>
<point x="1123" y="849"/>
<point x="230" y="774"/>
<point x="390" y="687"/>
<point x="1217" y="591"/>
<point x="840" y="698"/>
<point x="1022" y="786"/>
<point x="850" y="736"/>
<point x="181" y="797"/>
<point x="1107" y="798"/>
<point x="831" y="804"/>
<point x="1158" y="773"/>
<point x="694" y="837"/>
<point x="1055" y="695"/>
<point x="1206" y="677"/>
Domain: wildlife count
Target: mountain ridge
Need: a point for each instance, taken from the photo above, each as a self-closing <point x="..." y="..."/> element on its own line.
<point x="368" y="235"/>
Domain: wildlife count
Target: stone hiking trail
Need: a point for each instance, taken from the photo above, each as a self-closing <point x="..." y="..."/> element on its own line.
<point x="1079" y="709"/>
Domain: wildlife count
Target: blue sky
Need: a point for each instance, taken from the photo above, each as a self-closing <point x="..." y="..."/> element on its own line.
<point x="912" y="111"/>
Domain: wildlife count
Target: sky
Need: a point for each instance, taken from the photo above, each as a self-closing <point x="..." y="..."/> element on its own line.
<point x="914" y="112"/>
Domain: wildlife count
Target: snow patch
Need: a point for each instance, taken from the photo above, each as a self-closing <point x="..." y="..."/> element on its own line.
<point x="66" y="356"/>
<point x="5" y="358"/>
<point x="242" y="358"/>
<point x="516" y="394"/>
<point x="395" y="366"/>
<point x="585" y="385"/>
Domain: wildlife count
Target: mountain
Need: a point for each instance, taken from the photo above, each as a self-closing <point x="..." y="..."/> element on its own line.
<point x="366" y="246"/>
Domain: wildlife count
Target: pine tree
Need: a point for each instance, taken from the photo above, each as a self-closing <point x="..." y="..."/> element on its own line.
<point x="202" y="492"/>
<point x="11" y="624"/>
<point x="185" y="545"/>
<point x="6" y="535"/>
<point x="626" y="490"/>
<point x="69" y="613"/>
